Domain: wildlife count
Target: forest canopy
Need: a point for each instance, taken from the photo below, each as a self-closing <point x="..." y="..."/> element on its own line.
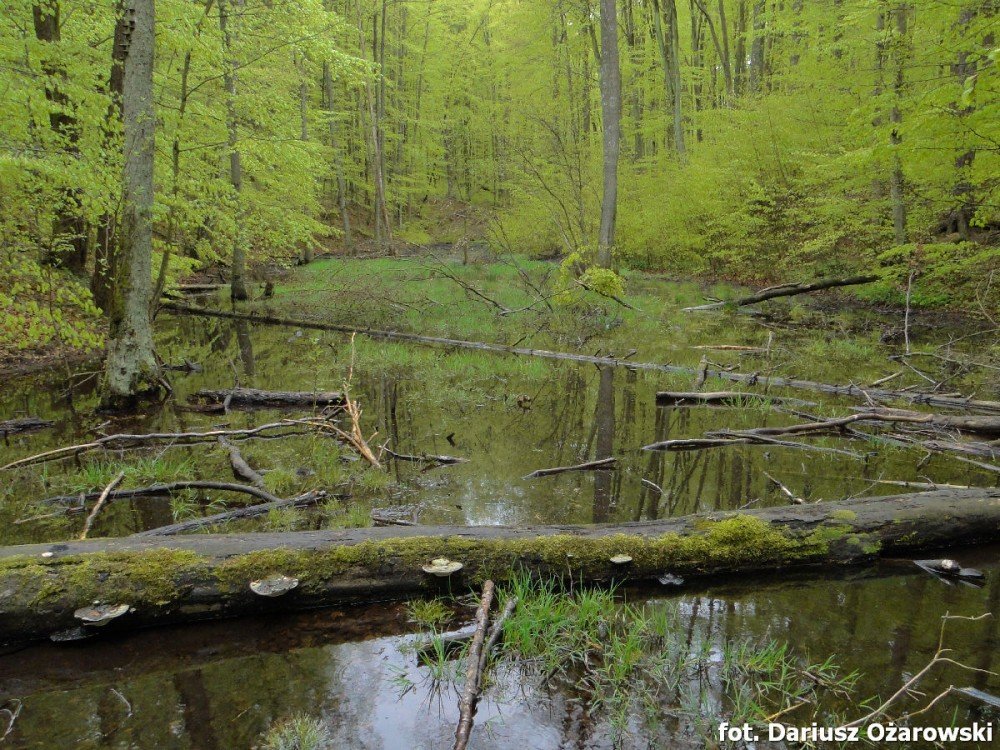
<point x="759" y="140"/>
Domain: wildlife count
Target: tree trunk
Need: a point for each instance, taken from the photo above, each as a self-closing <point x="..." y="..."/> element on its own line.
<point x="670" y="58"/>
<point x="757" y="47"/>
<point x="338" y="157"/>
<point x="106" y="252"/>
<point x="68" y="244"/>
<point x="611" y="111"/>
<point x="238" y="287"/>
<point x="207" y="576"/>
<point x="131" y="369"/>
<point x="896" y="180"/>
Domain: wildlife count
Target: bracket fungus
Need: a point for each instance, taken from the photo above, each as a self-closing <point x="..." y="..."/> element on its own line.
<point x="621" y="559"/>
<point x="272" y="586"/>
<point x="442" y="567"/>
<point x="99" y="615"/>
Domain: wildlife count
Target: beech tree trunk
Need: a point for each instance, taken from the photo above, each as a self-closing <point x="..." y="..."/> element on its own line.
<point x="131" y="369"/>
<point x="238" y="287"/>
<point x="611" y="112"/>
<point x="68" y="244"/>
<point x="198" y="577"/>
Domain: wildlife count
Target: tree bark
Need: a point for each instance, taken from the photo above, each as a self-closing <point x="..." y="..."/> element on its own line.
<point x="238" y="287"/>
<point x="69" y="229"/>
<point x="896" y="181"/>
<point x="338" y="157"/>
<point x="107" y="261"/>
<point x="208" y="576"/>
<point x="131" y="370"/>
<point x="611" y="112"/>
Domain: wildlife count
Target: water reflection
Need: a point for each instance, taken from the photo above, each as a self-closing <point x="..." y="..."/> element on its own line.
<point x="221" y="685"/>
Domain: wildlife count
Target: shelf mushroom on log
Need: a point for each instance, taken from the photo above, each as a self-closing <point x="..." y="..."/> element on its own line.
<point x="186" y="578"/>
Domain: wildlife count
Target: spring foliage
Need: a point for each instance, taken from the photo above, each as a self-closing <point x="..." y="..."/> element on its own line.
<point x="795" y="123"/>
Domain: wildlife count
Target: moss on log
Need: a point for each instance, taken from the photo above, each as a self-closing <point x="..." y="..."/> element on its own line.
<point x="207" y="576"/>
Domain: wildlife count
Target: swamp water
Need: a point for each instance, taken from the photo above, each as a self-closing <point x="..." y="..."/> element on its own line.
<point x="221" y="685"/>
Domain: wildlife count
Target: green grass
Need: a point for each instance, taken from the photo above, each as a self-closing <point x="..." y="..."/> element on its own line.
<point x="298" y="733"/>
<point x="632" y="665"/>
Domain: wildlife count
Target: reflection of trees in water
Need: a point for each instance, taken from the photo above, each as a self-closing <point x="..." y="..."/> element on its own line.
<point x="245" y="345"/>
<point x="604" y="447"/>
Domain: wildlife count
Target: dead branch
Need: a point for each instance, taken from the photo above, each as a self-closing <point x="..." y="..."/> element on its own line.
<point x="728" y="398"/>
<point x="725" y="438"/>
<point x="496" y="630"/>
<point x="470" y="695"/>
<point x="792" y="497"/>
<point x="123" y="441"/>
<point x="100" y="503"/>
<point x="241" y="469"/>
<point x="786" y="290"/>
<point x="309" y="498"/>
<point x="426" y="458"/>
<point x="940" y="657"/>
<point x="602" y="464"/>
<point x="160" y="490"/>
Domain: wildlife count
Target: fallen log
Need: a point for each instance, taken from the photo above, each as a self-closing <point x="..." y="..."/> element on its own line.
<point x="726" y="398"/>
<point x="724" y="439"/>
<point x="251" y="511"/>
<point x="786" y="290"/>
<point x="854" y="391"/>
<point x="255" y="397"/>
<point x="979" y="425"/>
<point x="195" y="577"/>
<point x="241" y="469"/>
<point x="601" y="464"/>
<point x="23" y="424"/>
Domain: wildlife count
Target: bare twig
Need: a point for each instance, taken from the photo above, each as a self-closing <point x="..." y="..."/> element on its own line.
<point x="470" y="694"/>
<point x="938" y="658"/>
<point x="100" y="503"/>
<point x="598" y="465"/>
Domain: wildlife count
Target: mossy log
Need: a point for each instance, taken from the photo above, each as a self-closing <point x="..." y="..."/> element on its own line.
<point x="207" y="576"/>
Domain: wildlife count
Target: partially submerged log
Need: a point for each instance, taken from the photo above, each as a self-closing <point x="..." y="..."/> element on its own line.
<point x="23" y="424"/>
<point x="854" y="391"/>
<point x="181" y="579"/>
<point x="724" y="398"/>
<point x="250" y="511"/>
<point x="255" y="397"/>
<point x="786" y="290"/>
<point x="241" y="469"/>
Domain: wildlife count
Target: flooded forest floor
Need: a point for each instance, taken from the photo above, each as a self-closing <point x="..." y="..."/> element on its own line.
<point x="634" y="667"/>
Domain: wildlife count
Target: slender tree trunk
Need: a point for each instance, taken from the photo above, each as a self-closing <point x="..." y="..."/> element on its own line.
<point x="69" y="229"/>
<point x="238" y="287"/>
<point x="669" y="44"/>
<point x="757" y="47"/>
<point x="106" y="258"/>
<point x="727" y="68"/>
<point x="896" y="180"/>
<point x="131" y="369"/>
<point x="338" y="157"/>
<point x="611" y="109"/>
<point x="962" y="189"/>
